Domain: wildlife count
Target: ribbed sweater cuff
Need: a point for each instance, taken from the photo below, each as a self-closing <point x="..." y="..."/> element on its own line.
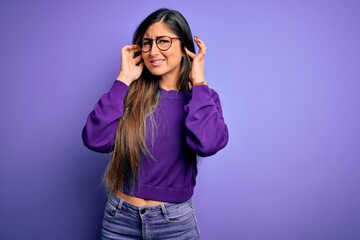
<point x="119" y="88"/>
<point x="201" y="92"/>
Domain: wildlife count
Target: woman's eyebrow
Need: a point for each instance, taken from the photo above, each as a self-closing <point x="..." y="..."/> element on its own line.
<point x="148" y="38"/>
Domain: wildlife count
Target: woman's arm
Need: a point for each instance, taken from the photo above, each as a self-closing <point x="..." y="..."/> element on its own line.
<point x="100" y="129"/>
<point x="207" y="132"/>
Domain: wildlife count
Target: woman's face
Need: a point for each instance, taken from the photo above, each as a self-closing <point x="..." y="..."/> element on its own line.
<point x="165" y="64"/>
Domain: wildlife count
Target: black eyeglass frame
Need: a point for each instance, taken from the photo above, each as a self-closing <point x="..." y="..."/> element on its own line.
<point x="156" y="42"/>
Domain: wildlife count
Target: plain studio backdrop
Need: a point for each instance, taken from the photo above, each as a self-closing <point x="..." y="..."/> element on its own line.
<point x="288" y="74"/>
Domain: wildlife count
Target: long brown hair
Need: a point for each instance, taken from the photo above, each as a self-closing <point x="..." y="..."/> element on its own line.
<point x="141" y="100"/>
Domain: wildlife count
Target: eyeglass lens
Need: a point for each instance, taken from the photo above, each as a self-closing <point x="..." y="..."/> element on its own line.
<point x="163" y="43"/>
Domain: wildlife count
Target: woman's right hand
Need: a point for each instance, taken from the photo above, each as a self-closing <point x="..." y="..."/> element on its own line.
<point x="131" y="68"/>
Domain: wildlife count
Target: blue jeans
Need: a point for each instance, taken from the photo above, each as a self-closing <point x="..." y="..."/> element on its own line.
<point x="123" y="220"/>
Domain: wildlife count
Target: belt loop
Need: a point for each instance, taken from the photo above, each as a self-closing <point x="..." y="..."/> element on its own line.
<point x="164" y="212"/>
<point x="120" y="204"/>
<point x="191" y="203"/>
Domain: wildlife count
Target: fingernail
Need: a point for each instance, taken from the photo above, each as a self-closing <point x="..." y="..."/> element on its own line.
<point x="196" y="37"/>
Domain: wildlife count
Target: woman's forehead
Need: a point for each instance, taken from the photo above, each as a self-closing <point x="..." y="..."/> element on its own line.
<point x="158" y="29"/>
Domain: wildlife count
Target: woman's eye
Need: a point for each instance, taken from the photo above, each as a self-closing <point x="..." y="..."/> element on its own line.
<point x="146" y="43"/>
<point x="163" y="41"/>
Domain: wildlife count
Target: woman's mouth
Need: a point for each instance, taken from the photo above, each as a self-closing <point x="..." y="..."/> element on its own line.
<point x="156" y="62"/>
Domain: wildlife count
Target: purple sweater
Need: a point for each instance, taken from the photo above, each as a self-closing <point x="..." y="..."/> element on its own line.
<point x="186" y="127"/>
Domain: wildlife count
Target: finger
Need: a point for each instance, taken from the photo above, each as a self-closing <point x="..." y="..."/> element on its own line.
<point x="191" y="54"/>
<point x="130" y="48"/>
<point x="202" y="49"/>
<point x="201" y="45"/>
<point x="133" y="46"/>
<point x="135" y="50"/>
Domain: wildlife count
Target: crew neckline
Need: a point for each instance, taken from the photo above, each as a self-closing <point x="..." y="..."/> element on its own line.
<point x="172" y="94"/>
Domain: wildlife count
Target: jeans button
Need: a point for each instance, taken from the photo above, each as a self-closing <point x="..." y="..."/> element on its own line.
<point x="144" y="210"/>
<point x="113" y="212"/>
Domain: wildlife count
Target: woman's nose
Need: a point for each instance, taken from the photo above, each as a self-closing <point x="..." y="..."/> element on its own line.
<point x="154" y="50"/>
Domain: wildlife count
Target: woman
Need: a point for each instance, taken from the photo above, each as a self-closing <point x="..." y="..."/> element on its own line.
<point x="158" y="116"/>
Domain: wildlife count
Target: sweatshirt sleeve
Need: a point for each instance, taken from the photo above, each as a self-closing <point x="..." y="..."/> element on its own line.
<point x="99" y="131"/>
<point x="207" y="132"/>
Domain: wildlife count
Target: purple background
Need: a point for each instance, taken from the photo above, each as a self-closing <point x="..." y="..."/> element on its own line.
<point x="288" y="73"/>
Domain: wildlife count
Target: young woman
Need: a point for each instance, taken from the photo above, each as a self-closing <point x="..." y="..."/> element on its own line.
<point x="158" y="116"/>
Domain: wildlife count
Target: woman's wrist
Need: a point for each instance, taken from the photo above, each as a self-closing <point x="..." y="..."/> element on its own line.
<point x="199" y="83"/>
<point x="125" y="79"/>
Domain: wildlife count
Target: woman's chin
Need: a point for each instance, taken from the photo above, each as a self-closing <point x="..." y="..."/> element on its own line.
<point x="156" y="72"/>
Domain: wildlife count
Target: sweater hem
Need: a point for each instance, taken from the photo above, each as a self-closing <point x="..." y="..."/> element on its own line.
<point x="161" y="194"/>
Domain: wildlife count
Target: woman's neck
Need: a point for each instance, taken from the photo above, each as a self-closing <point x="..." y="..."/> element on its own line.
<point x="168" y="83"/>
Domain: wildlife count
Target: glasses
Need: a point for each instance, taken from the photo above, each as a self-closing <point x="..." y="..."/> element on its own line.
<point x="162" y="42"/>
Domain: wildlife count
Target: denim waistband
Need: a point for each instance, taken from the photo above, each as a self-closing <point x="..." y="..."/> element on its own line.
<point x="163" y="209"/>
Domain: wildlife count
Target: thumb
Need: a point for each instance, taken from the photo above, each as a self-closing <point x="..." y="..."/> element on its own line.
<point x="191" y="54"/>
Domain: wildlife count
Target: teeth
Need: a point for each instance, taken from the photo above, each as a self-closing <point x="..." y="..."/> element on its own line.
<point x="157" y="62"/>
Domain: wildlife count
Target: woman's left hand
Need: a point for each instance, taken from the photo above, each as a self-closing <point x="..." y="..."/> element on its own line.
<point x="196" y="74"/>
